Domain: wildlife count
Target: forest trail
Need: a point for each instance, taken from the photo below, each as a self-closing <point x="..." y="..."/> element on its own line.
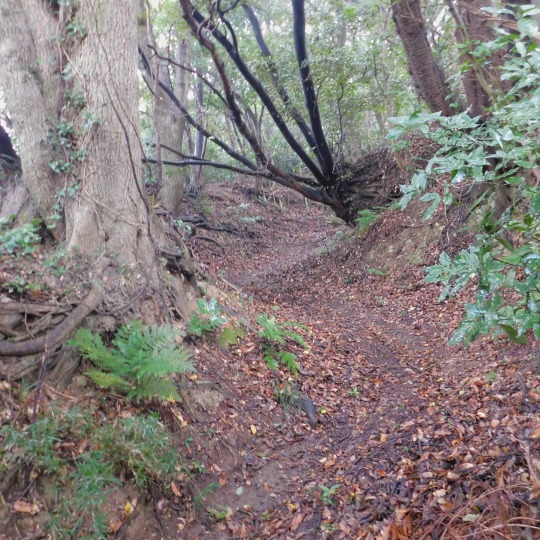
<point x="406" y="432"/>
<point x="411" y="439"/>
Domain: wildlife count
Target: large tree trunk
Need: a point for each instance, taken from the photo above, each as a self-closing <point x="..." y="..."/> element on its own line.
<point x="29" y="68"/>
<point x="427" y="76"/>
<point x="110" y="211"/>
<point x="107" y="219"/>
<point x="169" y="122"/>
<point x="195" y="185"/>
<point x="482" y="79"/>
<point x="172" y="125"/>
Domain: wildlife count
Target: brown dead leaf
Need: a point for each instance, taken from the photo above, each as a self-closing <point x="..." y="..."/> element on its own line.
<point x="82" y="446"/>
<point x="175" y="490"/>
<point x="115" y="525"/>
<point x="329" y="463"/>
<point x="25" y="507"/>
<point x="295" y="523"/>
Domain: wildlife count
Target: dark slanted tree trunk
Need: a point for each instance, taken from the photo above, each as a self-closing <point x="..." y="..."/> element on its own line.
<point x="427" y="75"/>
<point x="326" y="179"/>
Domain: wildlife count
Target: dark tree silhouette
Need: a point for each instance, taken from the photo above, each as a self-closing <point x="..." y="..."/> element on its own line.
<point x="328" y="179"/>
<point x="7" y="152"/>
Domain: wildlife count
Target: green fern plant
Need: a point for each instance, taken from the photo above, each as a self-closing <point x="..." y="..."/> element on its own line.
<point x="273" y="336"/>
<point x="140" y="363"/>
<point x="366" y="218"/>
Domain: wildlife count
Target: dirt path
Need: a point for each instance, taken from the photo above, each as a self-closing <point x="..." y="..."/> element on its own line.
<point x="355" y="375"/>
<point x="404" y="438"/>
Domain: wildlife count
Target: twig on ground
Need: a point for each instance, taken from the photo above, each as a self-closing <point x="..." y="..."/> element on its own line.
<point x="208" y="239"/>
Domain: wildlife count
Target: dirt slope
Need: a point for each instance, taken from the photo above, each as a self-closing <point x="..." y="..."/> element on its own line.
<point x="414" y="440"/>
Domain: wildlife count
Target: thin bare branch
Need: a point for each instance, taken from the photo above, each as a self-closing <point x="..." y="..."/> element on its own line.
<point x="198" y="26"/>
<point x="191" y="70"/>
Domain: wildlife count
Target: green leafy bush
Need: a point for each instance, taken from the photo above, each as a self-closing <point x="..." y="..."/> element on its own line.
<point x="274" y="337"/>
<point x="21" y="239"/>
<point x="498" y="152"/>
<point x="140" y="363"/>
<point x="208" y="317"/>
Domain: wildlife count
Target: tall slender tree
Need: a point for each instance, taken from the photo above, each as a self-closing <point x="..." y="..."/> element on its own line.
<point x="327" y="178"/>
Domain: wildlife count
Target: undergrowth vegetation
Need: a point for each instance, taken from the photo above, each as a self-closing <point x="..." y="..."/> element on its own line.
<point x="79" y="461"/>
<point x="19" y="240"/>
<point x="140" y="363"/>
<point x="274" y="338"/>
<point x="366" y="218"/>
<point x="207" y="318"/>
<point x="483" y="158"/>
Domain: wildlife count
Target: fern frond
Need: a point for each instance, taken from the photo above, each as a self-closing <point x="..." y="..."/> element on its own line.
<point x="108" y="380"/>
<point x="92" y="347"/>
<point x="130" y="341"/>
<point x="270" y="361"/>
<point x="166" y="361"/>
<point x="289" y="359"/>
<point x="154" y="387"/>
<point x="160" y="336"/>
<point x="296" y="337"/>
<point x="271" y="330"/>
<point x="366" y="218"/>
<point x="295" y="324"/>
<point x="141" y="361"/>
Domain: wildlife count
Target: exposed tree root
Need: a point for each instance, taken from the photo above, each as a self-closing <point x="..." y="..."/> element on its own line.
<point x="208" y="239"/>
<point x="60" y="332"/>
<point x="31" y="309"/>
<point x="199" y="221"/>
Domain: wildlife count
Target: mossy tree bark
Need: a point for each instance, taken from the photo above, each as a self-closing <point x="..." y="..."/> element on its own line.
<point x="71" y="86"/>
